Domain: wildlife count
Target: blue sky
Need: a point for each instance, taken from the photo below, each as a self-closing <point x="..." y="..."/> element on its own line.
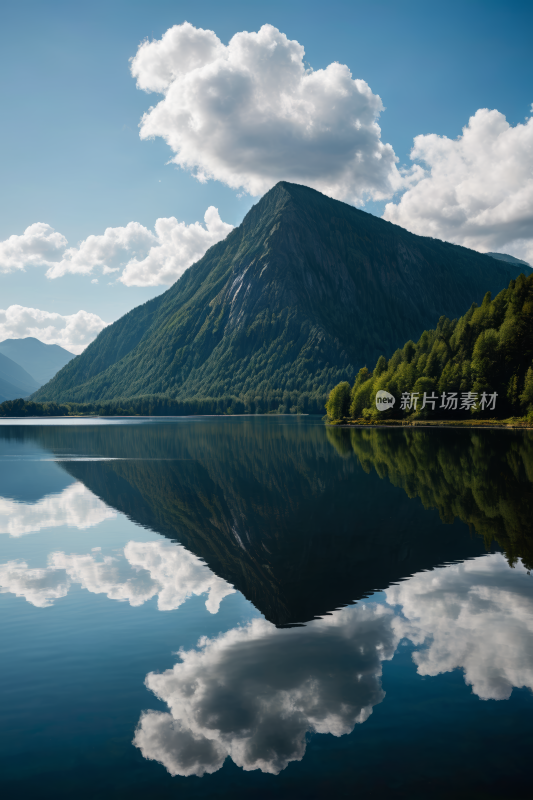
<point x="71" y="153"/>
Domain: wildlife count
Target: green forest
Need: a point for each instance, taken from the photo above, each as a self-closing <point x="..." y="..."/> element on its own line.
<point x="477" y="366"/>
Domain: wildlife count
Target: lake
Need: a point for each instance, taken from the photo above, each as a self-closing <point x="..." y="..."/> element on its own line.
<point x="264" y="607"/>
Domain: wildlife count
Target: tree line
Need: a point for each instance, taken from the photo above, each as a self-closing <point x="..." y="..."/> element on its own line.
<point x="163" y="405"/>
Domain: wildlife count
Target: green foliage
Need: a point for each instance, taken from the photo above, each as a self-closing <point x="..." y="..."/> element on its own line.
<point x="338" y="404"/>
<point x="489" y="349"/>
<point x="162" y="406"/>
<point x="27" y="408"/>
<point x="526" y="398"/>
<point x="380" y="367"/>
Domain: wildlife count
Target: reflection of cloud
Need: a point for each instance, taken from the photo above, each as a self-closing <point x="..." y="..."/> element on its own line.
<point x="177" y="573"/>
<point x="39" y="586"/>
<point x="476" y="616"/>
<point x="76" y="506"/>
<point x="149" y="569"/>
<point x="254" y="692"/>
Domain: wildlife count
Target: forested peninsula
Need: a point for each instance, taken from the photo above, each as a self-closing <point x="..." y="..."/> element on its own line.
<point x="479" y="366"/>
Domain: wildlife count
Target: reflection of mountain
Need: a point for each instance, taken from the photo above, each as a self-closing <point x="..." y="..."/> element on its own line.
<point x="26" y="472"/>
<point x="269" y="505"/>
<point x="484" y="478"/>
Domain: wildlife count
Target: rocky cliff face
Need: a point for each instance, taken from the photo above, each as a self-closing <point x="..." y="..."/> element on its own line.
<point x="302" y="294"/>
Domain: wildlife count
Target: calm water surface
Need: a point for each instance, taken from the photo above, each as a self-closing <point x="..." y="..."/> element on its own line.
<point x="263" y="607"/>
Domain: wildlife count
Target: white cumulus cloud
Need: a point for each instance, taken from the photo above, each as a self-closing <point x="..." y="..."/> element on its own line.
<point x="255" y="692"/>
<point x="477" y="190"/>
<point x="105" y="250"/>
<point x="143" y="257"/>
<point x="252" y="113"/>
<point x="175" y="248"/>
<point x="71" y="331"/>
<point x="39" y="245"/>
<point x="477" y="617"/>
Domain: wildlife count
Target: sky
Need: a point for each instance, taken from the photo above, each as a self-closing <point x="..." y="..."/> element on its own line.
<point x="136" y="134"/>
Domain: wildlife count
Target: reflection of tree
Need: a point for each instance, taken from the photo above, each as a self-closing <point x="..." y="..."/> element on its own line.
<point x="483" y="478"/>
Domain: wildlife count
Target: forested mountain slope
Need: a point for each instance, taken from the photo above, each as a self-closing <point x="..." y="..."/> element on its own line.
<point x="298" y="297"/>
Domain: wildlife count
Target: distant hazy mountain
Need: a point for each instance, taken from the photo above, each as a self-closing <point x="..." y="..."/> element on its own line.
<point x="40" y="360"/>
<point x="301" y="295"/>
<point x="509" y="259"/>
<point x="14" y="380"/>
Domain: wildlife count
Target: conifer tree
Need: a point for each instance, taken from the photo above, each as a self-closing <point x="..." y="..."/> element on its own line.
<point x="526" y="398"/>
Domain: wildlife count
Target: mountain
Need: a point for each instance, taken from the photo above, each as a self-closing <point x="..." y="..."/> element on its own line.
<point x="298" y="297"/>
<point x="509" y="259"/>
<point x="14" y="380"/>
<point x="42" y="361"/>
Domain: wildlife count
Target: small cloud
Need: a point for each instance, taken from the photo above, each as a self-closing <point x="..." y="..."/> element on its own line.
<point x="145" y="258"/>
<point x="71" y="331"/>
<point x="39" y="245"/>
<point x="476" y="190"/>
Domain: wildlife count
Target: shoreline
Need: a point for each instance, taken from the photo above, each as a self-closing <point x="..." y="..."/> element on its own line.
<point x="489" y="423"/>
